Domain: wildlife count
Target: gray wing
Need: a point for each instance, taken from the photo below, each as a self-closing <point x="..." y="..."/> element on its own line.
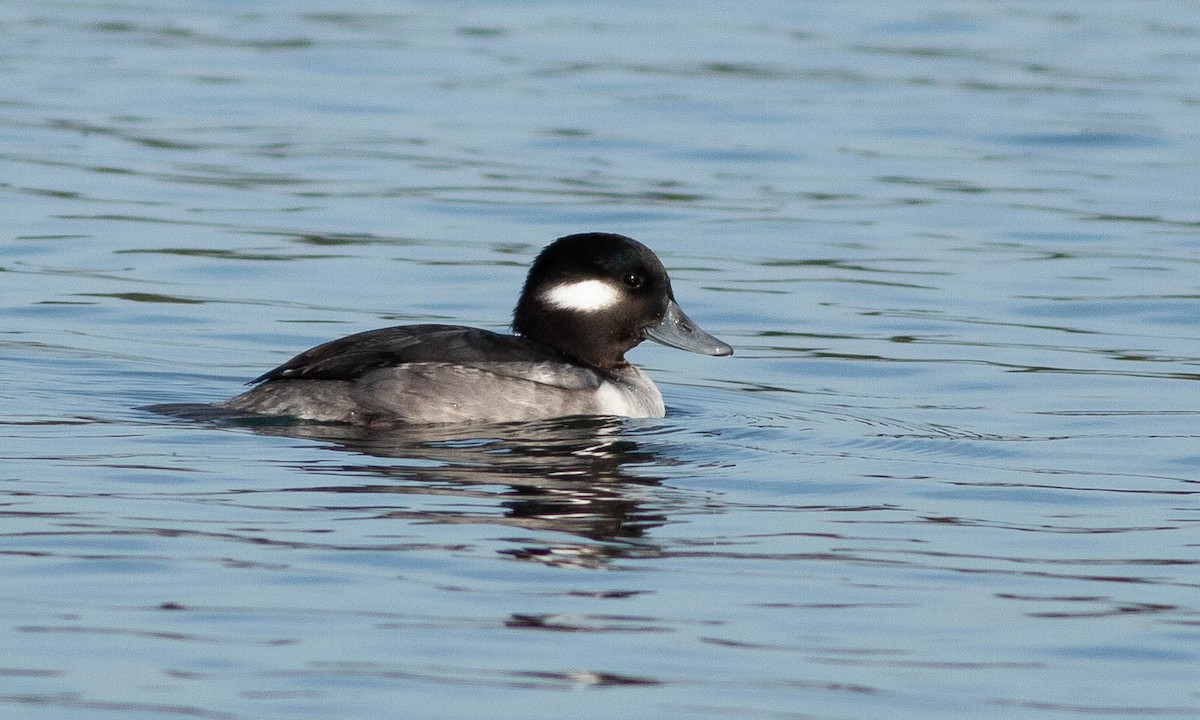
<point x="425" y="373"/>
<point x="355" y="355"/>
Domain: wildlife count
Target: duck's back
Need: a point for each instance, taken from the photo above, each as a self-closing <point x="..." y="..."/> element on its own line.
<point x="443" y="373"/>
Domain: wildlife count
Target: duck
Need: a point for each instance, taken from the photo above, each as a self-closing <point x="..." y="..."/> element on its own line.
<point x="588" y="299"/>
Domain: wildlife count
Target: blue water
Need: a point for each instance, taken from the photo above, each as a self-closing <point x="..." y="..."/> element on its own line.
<point x="951" y="471"/>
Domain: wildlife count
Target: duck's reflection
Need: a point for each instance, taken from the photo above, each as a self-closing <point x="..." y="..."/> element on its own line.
<point x="583" y="476"/>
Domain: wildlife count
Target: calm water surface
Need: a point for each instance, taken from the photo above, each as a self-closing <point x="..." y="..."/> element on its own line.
<point x="952" y="471"/>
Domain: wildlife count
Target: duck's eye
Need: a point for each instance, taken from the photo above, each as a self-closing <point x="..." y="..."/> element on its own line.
<point x="633" y="280"/>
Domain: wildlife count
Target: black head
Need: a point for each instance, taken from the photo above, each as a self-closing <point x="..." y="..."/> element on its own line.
<point x="593" y="296"/>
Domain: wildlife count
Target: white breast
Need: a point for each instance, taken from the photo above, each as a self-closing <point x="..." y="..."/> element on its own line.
<point x="629" y="394"/>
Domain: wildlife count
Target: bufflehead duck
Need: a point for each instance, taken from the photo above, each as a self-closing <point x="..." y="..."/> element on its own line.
<point x="587" y="300"/>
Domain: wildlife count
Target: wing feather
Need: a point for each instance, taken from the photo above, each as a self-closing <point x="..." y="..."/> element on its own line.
<point x="353" y="356"/>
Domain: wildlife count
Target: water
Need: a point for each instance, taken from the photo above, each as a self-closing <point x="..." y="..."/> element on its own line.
<point x="952" y="470"/>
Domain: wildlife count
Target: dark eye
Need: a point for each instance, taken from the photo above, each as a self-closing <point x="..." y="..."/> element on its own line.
<point x="633" y="280"/>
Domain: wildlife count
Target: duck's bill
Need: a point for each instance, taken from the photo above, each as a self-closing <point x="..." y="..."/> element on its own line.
<point x="678" y="331"/>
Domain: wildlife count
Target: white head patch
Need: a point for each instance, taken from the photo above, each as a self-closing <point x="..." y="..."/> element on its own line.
<point x="583" y="295"/>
